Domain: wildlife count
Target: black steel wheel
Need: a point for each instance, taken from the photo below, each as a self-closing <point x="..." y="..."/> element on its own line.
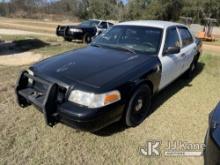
<point x="87" y="38"/>
<point x="139" y="106"/>
<point x="190" y="72"/>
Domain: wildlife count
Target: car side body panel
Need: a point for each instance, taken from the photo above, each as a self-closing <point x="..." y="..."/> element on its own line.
<point x="174" y="65"/>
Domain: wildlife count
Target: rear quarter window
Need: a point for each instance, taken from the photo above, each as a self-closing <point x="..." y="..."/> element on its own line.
<point x="110" y="24"/>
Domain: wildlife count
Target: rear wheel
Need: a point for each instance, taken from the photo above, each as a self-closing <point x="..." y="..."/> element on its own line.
<point x="139" y="106"/>
<point x="190" y="72"/>
<point x="87" y="38"/>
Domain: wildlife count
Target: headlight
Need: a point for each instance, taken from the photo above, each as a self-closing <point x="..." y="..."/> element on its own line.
<point x="93" y="100"/>
<point x="30" y="72"/>
<point x="76" y="30"/>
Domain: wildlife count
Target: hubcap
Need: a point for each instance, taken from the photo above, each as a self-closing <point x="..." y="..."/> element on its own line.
<point x="139" y="105"/>
<point x="88" y="39"/>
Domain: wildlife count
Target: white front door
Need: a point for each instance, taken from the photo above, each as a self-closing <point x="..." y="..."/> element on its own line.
<point x="171" y="63"/>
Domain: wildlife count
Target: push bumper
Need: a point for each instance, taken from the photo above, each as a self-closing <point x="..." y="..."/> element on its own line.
<point x="74" y="35"/>
<point x="53" y="104"/>
<point x="60" y="31"/>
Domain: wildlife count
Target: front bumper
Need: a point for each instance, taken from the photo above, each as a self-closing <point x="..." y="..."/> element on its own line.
<point x="53" y="104"/>
<point x="60" y="31"/>
<point x="89" y="119"/>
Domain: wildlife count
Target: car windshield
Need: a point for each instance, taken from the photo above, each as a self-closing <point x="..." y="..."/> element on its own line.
<point x="91" y="23"/>
<point x="139" y="39"/>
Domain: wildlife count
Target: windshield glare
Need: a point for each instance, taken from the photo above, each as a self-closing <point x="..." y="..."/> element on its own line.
<point x="141" y="39"/>
<point x="92" y="23"/>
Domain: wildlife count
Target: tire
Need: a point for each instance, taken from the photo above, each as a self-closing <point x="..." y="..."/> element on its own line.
<point x="87" y="38"/>
<point x="68" y="39"/>
<point x="190" y="72"/>
<point x="138" y="107"/>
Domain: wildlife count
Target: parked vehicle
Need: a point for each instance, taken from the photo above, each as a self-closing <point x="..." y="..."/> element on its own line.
<point x="212" y="140"/>
<point x="111" y="79"/>
<point x="84" y="31"/>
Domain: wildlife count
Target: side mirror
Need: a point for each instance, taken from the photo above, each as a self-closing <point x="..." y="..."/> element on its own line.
<point x="171" y="50"/>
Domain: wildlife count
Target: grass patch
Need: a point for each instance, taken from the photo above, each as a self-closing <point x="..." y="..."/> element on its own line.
<point x="32" y="28"/>
<point x="58" y="48"/>
<point x="56" y="45"/>
<point x="215" y="43"/>
<point x="212" y="62"/>
<point x="23" y="37"/>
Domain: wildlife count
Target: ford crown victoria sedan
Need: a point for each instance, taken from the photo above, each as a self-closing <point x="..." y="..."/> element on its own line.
<point x="84" y="31"/>
<point x="113" y="78"/>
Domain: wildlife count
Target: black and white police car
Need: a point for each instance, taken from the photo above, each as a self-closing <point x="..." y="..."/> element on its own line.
<point x="111" y="79"/>
<point x="84" y="31"/>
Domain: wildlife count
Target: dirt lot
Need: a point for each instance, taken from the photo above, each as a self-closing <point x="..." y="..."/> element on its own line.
<point x="180" y="113"/>
<point x="31" y="25"/>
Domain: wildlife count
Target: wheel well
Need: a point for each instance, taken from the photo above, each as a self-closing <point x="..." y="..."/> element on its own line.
<point x="147" y="82"/>
<point x="151" y="86"/>
<point x="197" y="56"/>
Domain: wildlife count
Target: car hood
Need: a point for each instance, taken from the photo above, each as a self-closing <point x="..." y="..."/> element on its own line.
<point x="90" y="65"/>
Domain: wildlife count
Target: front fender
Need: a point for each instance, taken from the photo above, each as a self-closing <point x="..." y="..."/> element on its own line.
<point x="151" y="76"/>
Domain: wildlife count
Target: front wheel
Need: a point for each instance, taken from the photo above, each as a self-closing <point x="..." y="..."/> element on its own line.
<point x="139" y="106"/>
<point x="87" y="38"/>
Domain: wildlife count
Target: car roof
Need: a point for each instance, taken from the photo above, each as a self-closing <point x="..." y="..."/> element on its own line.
<point x="152" y="23"/>
<point x="94" y="20"/>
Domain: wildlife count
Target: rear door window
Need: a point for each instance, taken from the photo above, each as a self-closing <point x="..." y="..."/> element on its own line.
<point x="186" y="36"/>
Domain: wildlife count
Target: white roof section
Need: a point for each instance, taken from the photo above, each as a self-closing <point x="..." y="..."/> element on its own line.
<point x="151" y="23"/>
<point x="94" y="20"/>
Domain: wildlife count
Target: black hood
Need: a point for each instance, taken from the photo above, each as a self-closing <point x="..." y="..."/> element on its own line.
<point x="80" y="26"/>
<point x="90" y="65"/>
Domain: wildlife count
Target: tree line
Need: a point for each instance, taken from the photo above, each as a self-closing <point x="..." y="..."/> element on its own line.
<point x="112" y="9"/>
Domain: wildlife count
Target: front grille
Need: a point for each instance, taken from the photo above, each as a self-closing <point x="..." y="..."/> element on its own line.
<point x="61" y="94"/>
<point x="45" y="95"/>
<point x="42" y="88"/>
<point x="62" y="28"/>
